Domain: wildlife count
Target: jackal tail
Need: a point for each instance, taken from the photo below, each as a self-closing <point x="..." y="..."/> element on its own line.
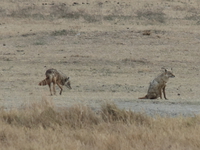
<point x="44" y="82"/>
<point x="145" y="97"/>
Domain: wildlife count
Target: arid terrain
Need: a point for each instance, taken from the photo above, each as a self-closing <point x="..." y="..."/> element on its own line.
<point x="110" y="50"/>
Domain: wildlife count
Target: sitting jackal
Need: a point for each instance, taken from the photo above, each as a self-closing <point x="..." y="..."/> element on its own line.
<point x="158" y="85"/>
<point x="55" y="77"/>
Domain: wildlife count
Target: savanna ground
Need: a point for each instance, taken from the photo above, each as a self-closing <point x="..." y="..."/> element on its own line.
<point x="111" y="50"/>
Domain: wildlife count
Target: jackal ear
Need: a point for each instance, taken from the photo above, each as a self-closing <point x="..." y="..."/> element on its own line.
<point x="164" y="69"/>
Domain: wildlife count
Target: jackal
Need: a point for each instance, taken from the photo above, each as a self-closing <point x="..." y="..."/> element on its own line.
<point x="55" y="77"/>
<point x="158" y="85"/>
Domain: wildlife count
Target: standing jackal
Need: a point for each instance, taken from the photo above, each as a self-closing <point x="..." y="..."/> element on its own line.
<point x="158" y="85"/>
<point x="55" y="77"/>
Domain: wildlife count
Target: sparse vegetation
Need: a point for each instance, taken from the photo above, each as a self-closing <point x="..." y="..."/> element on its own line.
<point x="63" y="32"/>
<point x="28" y="34"/>
<point x="56" y="11"/>
<point x="135" y="61"/>
<point x="145" y="13"/>
<point x="193" y="17"/>
<point x="28" y="12"/>
<point x="39" y="43"/>
<point x="61" y="10"/>
<point x="152" y="15"/>
<point x="42" y="126"/>
<point x="64" y="11"/>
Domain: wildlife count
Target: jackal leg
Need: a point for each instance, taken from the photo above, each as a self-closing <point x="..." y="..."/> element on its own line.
<point x="160" y="93"/>
<point x="164" y="92"/>
<point x="54" y="88"/>
<point x="54" y="85"/>
<point x="49" y="84"/>
<point x="61" y="89"/>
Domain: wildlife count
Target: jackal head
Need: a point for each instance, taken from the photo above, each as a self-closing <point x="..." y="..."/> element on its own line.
<point x="67" y="83"/>
<point x="168" y="74"/>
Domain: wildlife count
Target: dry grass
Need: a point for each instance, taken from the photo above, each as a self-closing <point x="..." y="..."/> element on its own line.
<point x="42" y="126"/>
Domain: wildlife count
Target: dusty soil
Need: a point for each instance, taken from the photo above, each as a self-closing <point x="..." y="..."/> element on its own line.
<point x="107" y="60"/>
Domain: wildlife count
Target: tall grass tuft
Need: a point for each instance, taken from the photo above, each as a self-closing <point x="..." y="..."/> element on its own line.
<point x="111" y="113"/>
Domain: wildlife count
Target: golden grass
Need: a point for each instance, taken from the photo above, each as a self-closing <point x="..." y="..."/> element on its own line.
<point x="43" y="126"/>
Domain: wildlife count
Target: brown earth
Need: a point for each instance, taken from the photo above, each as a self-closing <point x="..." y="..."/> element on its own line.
<point x="111" y="51"/>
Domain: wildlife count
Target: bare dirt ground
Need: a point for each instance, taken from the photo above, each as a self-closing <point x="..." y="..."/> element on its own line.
<point x="103" y="47"/>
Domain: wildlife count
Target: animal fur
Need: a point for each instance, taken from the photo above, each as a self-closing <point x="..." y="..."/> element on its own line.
<point x="158" y="85"/>
<point x="55" y="77"/>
